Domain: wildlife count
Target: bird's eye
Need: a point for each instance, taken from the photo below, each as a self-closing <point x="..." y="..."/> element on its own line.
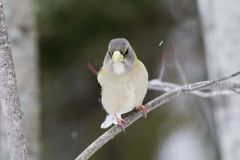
<point x="126" y="52"/>
<point x="110" y="53"/>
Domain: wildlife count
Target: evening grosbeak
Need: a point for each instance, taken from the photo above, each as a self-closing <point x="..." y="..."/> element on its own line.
<point x="123" y="80"/>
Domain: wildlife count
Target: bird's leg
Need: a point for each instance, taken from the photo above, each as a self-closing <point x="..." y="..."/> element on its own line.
<point x="120" y="121"/>
<point x="143" y="109"/>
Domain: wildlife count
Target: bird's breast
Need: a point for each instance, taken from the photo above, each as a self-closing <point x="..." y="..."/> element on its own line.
<point x="118" y="96"/>
<point x="118" y="68"/>
<point x="121" y="93"/>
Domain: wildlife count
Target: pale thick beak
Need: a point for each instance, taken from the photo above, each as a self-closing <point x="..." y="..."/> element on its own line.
<point x="117" y="57"/>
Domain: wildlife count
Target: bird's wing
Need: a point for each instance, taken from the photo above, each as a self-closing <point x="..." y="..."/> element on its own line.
<point x="99" y="93"/>
<point x="100" y="73"/>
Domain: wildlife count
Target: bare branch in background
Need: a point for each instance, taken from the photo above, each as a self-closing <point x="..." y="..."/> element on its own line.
<point x="10" y="103"/>
<point x="92" y="68"/>
<point x="223" y="88"/>
<point x="174" y="91"/>
<point x="162" y="62"/>
<point x="178" y="66"/>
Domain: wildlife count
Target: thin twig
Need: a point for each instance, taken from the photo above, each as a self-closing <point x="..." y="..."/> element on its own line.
<point x="178" y="66"/>
<point x="230" y="76"/>
<point x="217" y="81"/>
<point x="157" y="102"/>
<point x="92" y="68"/>
<point x="162" y="61"/>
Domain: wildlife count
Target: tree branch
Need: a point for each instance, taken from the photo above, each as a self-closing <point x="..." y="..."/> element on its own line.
<point x="173" y="91"/>
<point x="10" y="103"/>
<point x="178" y="66"/>
<point x="224" y="88"/>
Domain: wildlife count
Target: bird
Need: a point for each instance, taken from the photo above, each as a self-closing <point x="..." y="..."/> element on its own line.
<point x="123" y="82"/>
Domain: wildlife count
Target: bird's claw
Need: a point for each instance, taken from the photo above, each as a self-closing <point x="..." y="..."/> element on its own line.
<point x="143" y="109"/>
<point x="121" y="122"/>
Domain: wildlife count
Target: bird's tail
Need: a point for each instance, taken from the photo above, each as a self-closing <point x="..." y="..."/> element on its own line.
<point x="109" y="120"/>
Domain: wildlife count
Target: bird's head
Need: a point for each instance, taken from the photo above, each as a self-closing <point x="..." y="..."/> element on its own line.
<point x="120" y="56"/>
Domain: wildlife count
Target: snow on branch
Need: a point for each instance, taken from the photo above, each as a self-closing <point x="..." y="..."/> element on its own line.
<point x="224" y="87"/>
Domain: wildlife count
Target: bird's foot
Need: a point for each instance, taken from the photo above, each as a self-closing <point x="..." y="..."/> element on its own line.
<point x="121" y="122"/>
<point x="143" y="109"/>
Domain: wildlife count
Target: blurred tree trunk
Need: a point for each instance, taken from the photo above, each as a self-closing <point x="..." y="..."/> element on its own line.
<point x="10" y="103"/>
<point x="21" y="17"/>
<point x="220" y="21"/>
<point x="4" y="154"/>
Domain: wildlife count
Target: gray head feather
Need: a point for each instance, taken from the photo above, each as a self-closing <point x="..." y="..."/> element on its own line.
<point x="123" y="46"/>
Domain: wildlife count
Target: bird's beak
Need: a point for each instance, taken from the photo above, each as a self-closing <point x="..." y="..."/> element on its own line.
<point x="117" y="57"/>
